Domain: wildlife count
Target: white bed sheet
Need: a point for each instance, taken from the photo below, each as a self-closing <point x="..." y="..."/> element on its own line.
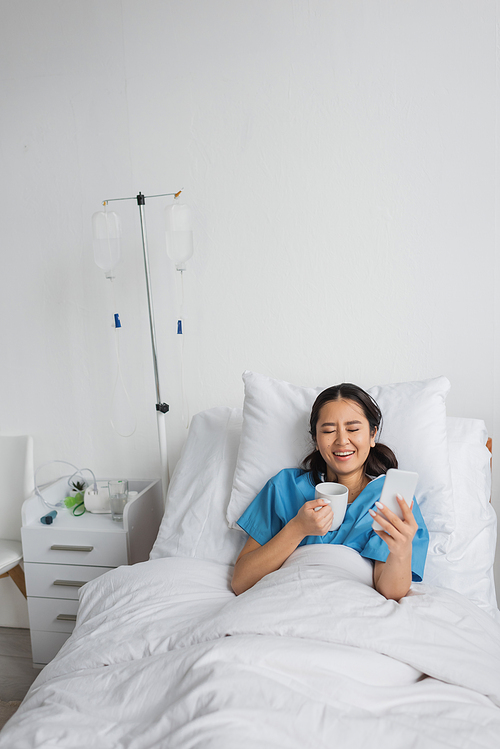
<point x="164" y="655"/>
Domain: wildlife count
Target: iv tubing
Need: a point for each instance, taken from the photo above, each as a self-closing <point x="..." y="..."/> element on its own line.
<point x="185" y="408"/>
<point x="119" y="376"/>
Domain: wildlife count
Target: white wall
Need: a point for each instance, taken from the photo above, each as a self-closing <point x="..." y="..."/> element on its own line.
<point x="341" y="159"/>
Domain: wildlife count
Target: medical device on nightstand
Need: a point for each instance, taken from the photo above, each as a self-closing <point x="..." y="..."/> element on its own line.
<point x="59" y="489"/>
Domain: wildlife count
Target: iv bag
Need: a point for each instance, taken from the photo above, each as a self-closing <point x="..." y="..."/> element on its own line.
<point x="179" y="233"/>
<point x="106" y="231"/>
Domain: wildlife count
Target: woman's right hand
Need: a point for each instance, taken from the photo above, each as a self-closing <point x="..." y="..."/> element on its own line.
<point x="255" y="560"/>
<point x="314" y="522"/>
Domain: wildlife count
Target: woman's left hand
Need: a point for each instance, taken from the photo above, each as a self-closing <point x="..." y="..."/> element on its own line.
<point x="397" y="533"/>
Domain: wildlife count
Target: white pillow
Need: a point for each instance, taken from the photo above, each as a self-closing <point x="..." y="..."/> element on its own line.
<point x="467" y="566"/>
<point x="194" y="523"/>
<point x="275" y="435"/>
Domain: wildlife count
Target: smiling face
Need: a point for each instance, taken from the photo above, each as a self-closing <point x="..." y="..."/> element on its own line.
<point x="344" y="440"/>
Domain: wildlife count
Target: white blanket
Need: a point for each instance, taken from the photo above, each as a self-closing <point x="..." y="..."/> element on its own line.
<point x="164" y="655"/>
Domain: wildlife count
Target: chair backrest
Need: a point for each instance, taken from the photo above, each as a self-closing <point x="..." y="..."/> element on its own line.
<point x="16" y="482"/>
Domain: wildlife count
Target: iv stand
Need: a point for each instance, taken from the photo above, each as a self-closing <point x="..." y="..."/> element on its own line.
<point x="161" y="408"/>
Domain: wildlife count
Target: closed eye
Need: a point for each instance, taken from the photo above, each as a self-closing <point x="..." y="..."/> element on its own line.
<point x="332" y="431"/>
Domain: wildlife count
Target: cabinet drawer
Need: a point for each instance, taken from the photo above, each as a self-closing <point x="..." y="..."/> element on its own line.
<point x="52" y="614"/>
<point x="45" y="645"/>
<point x="60" y="546"/>
<point x="58" y="580"/>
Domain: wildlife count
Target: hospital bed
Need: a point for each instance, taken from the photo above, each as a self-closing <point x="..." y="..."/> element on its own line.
<point x="165" y="655"/>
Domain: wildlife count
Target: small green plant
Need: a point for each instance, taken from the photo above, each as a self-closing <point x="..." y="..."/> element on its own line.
<point x="76" y="500"/>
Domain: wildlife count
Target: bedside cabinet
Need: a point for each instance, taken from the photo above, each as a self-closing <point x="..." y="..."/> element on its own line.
<point x="60" y="558"/>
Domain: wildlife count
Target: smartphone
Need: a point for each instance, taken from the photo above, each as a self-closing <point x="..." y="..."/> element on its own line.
<point x="399" y="482"/>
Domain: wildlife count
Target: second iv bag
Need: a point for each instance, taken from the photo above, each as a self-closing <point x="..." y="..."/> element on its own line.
<point x="106" y="232"/>
<point x="179" y="233"/>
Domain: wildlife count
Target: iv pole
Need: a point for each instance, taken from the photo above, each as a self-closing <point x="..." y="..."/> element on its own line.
<point x="161" y="408"/>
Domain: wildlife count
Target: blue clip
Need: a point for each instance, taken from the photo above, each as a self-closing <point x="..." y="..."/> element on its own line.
<point x="117" y="321"/>
<point x="179" y="327"/>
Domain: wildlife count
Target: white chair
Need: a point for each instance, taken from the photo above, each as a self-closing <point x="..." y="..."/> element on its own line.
<point x="16" y="484"/>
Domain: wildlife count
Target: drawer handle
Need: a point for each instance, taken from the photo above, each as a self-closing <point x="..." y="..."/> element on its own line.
<point x="70" y="583"/>
<point x="66" y="617"/>
<point x="61" y="547"/>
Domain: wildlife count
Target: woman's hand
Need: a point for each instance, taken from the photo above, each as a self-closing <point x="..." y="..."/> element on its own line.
<point x="314" y="522"/>
<point x="255" y="560"/>
<point x="392" y="578"/>
<point x="397" y="533"/>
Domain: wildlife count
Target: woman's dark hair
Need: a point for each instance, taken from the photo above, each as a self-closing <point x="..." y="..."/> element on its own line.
<point x="380" y="458"/>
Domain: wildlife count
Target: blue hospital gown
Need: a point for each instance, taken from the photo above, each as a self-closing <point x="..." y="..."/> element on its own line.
<point x="283" y="496"/>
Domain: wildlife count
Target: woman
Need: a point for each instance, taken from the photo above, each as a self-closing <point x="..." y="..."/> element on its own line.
<point x="344" y="423"/>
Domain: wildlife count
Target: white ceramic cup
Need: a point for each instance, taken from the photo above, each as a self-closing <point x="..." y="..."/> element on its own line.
<point x="336" y="495"/>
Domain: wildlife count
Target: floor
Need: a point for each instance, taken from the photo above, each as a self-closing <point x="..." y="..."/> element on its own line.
<point x="16" y="667"/>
